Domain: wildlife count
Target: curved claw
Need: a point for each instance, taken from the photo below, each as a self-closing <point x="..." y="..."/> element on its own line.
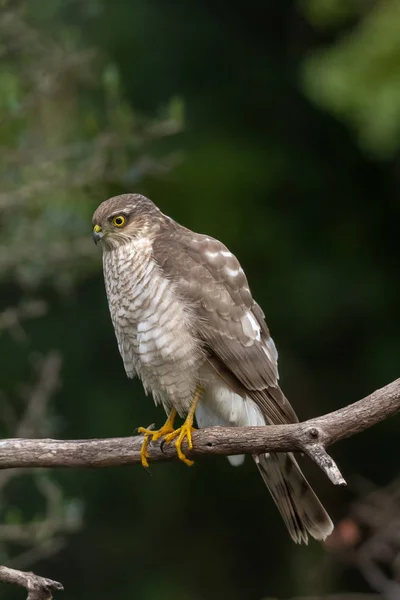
<point x="151" y="436"/>
<point x="184" y="432"/>
<point x="148" y="429"/>
<point x="162" y="444"/>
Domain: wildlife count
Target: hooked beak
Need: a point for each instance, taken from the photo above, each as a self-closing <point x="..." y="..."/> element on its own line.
<point x="97" y="234"/>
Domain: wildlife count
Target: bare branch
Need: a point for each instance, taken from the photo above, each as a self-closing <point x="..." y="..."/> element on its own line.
<point x="310" y="437"/>
<point x="38" y="588"/>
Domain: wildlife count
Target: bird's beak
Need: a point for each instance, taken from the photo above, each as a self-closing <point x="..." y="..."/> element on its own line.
<point x="97" y="233"/>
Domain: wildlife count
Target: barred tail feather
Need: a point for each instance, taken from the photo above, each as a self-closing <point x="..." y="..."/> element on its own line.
<point x="298" y="504"/>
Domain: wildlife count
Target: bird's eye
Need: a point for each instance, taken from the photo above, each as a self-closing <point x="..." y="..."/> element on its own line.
<point x="119" y="221"/>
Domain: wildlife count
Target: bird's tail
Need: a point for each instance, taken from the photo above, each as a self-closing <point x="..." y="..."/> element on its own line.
<point x="297" y="502"/>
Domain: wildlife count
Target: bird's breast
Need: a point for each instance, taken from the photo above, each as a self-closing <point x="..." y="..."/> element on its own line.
<point x="153" y="326"/>
<point x="142" y="301"/>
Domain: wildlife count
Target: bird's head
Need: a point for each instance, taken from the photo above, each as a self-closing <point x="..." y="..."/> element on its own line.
<point x="120" y="219"/>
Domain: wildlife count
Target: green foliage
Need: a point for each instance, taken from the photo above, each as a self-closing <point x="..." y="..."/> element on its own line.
<point x="68" y="134"/>
<point x="358" y="77"/>
<point x="329" y="13"/>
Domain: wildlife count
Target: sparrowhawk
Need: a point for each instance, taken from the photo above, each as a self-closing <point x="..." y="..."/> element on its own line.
<point x="186" y="323"/>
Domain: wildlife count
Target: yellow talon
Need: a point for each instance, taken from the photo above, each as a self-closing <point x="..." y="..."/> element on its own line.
<point x="168" y="427"/>
<point x="182" y="433"/>
<point x="185" y="431"/>
<point x="144" y="455"/>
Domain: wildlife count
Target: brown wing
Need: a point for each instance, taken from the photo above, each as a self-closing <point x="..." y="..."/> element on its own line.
<point x="230" y="322"/>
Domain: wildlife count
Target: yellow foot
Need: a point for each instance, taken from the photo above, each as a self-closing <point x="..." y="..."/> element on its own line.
<point x="183" y="432"/>
<point x="151" y="435"/>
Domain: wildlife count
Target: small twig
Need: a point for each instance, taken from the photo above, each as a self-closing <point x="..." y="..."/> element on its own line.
<point x="11" y="318"/>
<point x="42" y="549"/>
<point x="38" y="588"/>
<point x="319" y="455"/>
<point x="310" y="437"/>
<point x="368" y="538"/>
<point x="38" y="398"/>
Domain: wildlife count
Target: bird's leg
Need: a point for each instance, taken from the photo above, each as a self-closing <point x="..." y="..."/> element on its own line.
<point x="168" y="427"/>
<point x="186" y="430"/>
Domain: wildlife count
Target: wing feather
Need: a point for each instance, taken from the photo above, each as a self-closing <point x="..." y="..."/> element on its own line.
<point x="229" y="321"/>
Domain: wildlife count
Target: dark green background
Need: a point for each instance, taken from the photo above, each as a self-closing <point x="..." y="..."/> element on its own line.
<point x="313" y="215"/>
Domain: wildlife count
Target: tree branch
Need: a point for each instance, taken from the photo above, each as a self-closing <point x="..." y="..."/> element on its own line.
<point x="38" y="588"/>
<point x="310" y="437"/>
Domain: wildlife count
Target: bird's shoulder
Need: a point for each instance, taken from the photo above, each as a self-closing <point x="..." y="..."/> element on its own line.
<point x="201" y="262"/>
<point x="209" y="275"/>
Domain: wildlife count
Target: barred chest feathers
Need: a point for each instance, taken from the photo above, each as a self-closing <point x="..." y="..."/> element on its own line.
<point x="152" y="325"/>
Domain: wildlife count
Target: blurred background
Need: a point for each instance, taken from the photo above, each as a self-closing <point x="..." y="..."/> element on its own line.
<point x="275" y="127"/>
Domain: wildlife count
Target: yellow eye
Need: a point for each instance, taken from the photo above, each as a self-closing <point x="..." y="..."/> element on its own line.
<point x="119" y="221"/>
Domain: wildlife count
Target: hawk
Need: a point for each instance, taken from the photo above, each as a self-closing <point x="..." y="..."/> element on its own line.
<point x="187" y="324"/>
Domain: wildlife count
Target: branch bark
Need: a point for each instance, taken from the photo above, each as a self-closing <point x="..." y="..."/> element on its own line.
<point x="38" y="588"/>
<point x="311" y="437"/>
